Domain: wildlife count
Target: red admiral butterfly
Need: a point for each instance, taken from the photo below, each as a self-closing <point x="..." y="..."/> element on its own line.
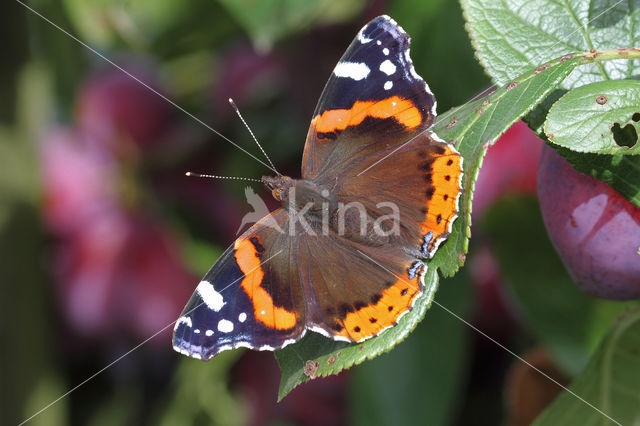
<point x="329" y="260"/>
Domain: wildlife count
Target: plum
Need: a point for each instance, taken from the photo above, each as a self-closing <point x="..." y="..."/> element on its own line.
<point x="594" y="229"/>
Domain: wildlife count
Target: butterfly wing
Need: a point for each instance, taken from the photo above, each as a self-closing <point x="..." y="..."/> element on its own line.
<point x="355" y="290"/>
<point x="374" y="99"/>
<point x="250" y="297"/>
<point x="421" y="178"/>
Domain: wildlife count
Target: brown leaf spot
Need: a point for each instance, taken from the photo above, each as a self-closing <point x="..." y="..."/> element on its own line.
<point x="512" y="85"/>
<point x="311" y="369"/>
<point x="566" y="58"/>
<point x="542" y="68"/>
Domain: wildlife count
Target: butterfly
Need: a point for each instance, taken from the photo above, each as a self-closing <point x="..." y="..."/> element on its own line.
<point x="343" y="256"/>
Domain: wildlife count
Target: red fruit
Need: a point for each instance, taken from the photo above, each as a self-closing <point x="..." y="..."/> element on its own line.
<point x="595" y="230"/>
<point x="112" y="105"/>
<point x="509" y="166"/>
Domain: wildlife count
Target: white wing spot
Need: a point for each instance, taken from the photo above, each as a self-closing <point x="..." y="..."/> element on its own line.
<point x="208" y="333"/>
<point x="354" y="70"/>
<point x="225" y="326"/>
<point x="378" y="42"/>
<point x="388" y="85"/>
<point x="385" y="51"/>
<point x="196" y="330"/>
<point x="242" y="317"/>
<point x="210" y="296"/>
<point x="184" y="320"/>
<point x="262" y="312"/>
<point x="362" y="38"/>
<point x="387" y="67"/>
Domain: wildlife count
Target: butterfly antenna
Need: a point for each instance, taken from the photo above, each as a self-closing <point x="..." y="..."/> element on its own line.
<point x="235" y="108"/>
<point x="222" y="177"/>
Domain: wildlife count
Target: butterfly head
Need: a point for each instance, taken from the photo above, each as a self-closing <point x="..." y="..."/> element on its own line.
<point x="278" y="185"/>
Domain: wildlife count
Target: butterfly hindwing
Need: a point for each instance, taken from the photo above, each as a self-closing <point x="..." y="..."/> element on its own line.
<point x="364" y="291"/>
<point x="422" y="178"/>
<point x="247" y="298"/>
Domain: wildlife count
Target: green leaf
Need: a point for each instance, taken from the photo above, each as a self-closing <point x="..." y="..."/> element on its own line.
<point x="474" y="126"/>
<point x="428" y="369"/>
<point x="585" y="119"/>
<point x="567" y="321"/>
<point x="621" y="172"/>
<point x="611" y="382"/>
<point x="317" y="356"/>
<point x="268" y="21"/>
<point x="513" y="36"/>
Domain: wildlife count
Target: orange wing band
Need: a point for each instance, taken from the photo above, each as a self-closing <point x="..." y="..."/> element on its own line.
<point x="247" y="258"/>
<point x="403" y="110"/>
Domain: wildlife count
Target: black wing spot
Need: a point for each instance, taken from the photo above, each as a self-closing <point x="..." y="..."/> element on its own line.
<point x="446" y="197"/>
<point x="403" y="292"/>
<point x="373" y="320"/>
<point x="390" y="308"/>
<point x="439" y="219"/>
<point x="328" y="135"/>
<point x="450" y="162"/>
<point x="345" y="309"/>
<point x="427" y="166"/>
<point x="256" y="244"/>
<point x="447" y="178"/>
<point x="359" y="305"/>
<point x="336" y="327"/>
<point x="429" y="193"/>
<point x="356" y="329"/>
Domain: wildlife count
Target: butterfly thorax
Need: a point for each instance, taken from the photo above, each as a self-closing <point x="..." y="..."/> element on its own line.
<point x="318" y="210"/>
